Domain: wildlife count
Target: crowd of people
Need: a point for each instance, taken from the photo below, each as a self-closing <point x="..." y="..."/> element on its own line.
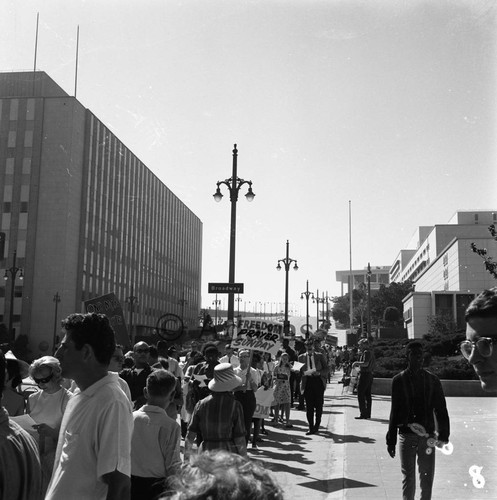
<point x="109" y="424"/>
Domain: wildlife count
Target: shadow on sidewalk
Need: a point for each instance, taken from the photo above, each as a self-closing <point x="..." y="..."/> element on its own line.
<point x="346" y="438"/>
<point x="334" y="485"/>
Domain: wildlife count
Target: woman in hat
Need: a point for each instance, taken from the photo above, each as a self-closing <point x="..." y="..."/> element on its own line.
<point x="219" y="416"/>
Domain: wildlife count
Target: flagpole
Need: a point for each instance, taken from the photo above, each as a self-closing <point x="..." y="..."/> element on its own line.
<point x="351" y="278"/>
<point x="76" y="70"/>
<point x="36" y="51"/>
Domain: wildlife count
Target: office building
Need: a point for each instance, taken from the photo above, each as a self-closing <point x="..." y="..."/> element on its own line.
<point x="445" y="271"/>
<point x="379" y="276"/>
<point x="85" y="217"/>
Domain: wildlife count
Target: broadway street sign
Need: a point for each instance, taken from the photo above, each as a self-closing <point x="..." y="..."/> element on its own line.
<point x="225" y="287"/>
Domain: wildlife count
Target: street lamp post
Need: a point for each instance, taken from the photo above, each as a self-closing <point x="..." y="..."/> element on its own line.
<point x="182" y="302"/>
<point x="238" y="300"/>
<point x="13" y="271"/>
<point x="234" y="183"/>
<point x="368" y="275"/>
<point x="217" y="303"/>
<point x="131" y="300"/>
<point x="306" y="294"/>
<point x="318" y="301"/>
<point x="56" y="299"/>
<point x="287" y="261"/>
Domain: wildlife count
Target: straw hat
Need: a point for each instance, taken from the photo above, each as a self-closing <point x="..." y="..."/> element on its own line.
<point x="23" y="366"/>
<point x="224" y="378"/>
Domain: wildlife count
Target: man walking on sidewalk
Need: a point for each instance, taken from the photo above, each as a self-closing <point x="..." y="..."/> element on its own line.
<point x="419" y="414"/>
<point x="313" y="384"/>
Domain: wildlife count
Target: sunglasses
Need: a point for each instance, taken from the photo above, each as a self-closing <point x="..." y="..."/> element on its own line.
<point x="484" y="346"/>
<point x="142" y="351"/>
<point x="45" y="380"/>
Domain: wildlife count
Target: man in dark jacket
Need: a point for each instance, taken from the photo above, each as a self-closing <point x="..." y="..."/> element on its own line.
<point x="136" y="377"/>
<point x="419" y="414"/>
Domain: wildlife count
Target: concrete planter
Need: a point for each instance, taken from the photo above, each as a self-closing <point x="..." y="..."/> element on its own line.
<point x="452" y="388"/>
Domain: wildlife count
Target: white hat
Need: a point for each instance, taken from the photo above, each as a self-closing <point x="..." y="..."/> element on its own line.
<point x="23" y="366"/>
<point x="224" y="378"/>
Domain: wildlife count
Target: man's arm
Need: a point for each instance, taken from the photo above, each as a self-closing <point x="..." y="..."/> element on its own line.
<point x="119" y="485"/>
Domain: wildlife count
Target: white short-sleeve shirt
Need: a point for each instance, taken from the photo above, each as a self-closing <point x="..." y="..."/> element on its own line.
<point x="94" y="439"/>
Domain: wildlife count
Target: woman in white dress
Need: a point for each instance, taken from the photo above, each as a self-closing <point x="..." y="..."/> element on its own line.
<point x="46" y="407"/>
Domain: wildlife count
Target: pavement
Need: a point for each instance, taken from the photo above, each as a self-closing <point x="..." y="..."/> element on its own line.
<point x="348" y="458"/>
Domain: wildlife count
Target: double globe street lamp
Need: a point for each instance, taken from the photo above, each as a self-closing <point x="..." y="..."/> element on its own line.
<point x="287" y="261"/>
<point x="307" y="294"/>
<point x="234" y="183"/>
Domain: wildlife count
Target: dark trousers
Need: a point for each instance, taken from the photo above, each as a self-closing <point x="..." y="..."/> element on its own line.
<point x="314" y="401"/>
<point x="364" y="394"/>
<point x="146" y="488"/>
<point x="247" y="399"/>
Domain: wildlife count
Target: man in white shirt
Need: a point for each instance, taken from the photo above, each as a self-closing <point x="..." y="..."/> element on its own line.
<point x="230" y="357"/>
<point x="93" y="452"/>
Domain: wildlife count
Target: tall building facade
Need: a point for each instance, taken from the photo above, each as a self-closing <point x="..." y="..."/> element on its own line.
<point x="446" y="273"/>
<point x="84" y="217"/>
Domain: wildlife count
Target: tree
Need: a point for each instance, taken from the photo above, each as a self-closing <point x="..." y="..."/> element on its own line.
<point x="490" y="264"/>
<point x="386" y="296"/>
<point x="389" y="296"/>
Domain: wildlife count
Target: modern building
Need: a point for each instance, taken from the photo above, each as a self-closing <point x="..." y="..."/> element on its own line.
<point x="379" y="276"/>
<point x="84" y="217"/>
<point x="445" y="271"/>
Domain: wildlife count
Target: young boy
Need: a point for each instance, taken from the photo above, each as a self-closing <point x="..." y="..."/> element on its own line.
<point x="155" y="444"/>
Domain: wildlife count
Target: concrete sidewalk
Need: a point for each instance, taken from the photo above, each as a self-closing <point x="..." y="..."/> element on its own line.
<point x="348" y="459"/>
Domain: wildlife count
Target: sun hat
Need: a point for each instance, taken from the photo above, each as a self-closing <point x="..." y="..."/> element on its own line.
<point x="224" y="378"/>
<point x="23" y="366"/>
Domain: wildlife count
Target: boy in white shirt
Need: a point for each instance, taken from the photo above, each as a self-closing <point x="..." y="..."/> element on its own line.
<point x="155" y="443"/>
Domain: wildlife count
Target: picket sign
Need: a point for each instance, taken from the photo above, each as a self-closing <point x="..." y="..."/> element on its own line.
<point x="264" y="399"/>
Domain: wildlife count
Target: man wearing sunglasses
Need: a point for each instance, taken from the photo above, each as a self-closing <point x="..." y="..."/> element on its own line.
<point x="481" y="335"/>
<point x="136" y="377"/>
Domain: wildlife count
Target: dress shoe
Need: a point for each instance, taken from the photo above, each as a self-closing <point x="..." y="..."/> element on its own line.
<point x="309" y="432"/>
<point x="360" y="417"/>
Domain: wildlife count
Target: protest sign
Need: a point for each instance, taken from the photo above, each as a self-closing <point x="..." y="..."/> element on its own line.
<point x="110" y="306"/>
<point x="264" y="399"/>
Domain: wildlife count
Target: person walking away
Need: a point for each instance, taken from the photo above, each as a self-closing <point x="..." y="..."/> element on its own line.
<point x="155" y="442"/>
<point x="366" y="365"/>
<point x="218" y="417"/>
<point x="419" y="415"/>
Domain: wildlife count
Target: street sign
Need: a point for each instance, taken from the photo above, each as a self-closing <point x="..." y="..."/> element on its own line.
<point x="225" y="287"/>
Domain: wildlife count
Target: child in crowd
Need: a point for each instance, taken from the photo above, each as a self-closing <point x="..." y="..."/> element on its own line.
<point x="155" y="444"/>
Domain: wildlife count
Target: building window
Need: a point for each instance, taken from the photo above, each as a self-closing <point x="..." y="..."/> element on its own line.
<point x="12" y="139"/>
<point x="9" y="166"/>
<point x="26" y="165"/>
<point x="30" y="109"/>
<point x="443" y="305"/>
<point x="476" y="218"/>
<point x="7" y="207"/>
<point x="28" y="139"/>
<point x="14" y="108"/>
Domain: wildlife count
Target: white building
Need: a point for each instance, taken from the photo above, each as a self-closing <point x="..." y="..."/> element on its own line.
<point x="446" y="273"/>
<point x="379" y="276"/>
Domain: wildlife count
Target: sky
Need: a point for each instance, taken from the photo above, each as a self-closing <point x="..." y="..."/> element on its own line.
<point x="387" y="108"/>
